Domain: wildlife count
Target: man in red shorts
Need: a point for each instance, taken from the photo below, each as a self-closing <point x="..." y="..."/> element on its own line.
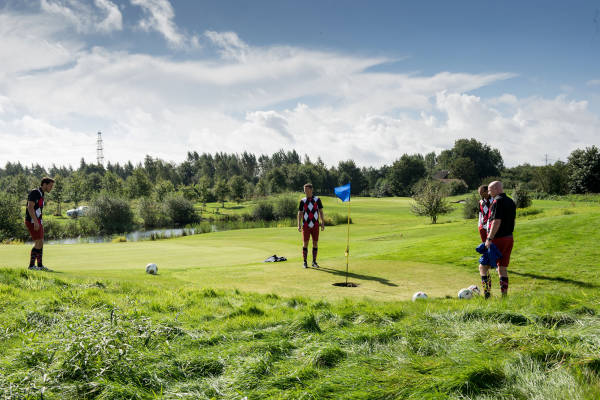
<point x="33" y="221"/>
<point x="502" y="224"/>
<point x="310" y="217"/>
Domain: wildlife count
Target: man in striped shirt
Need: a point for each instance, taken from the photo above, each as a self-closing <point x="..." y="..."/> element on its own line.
<point x="33" y="221"/>
<point x="310" y="218"/>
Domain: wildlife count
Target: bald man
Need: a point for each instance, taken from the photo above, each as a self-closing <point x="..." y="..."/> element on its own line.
<point x="502" y="224"/>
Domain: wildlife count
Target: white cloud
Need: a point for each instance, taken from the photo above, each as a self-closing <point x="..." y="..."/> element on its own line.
<point x="230" y="46"/>
<point x="257" y="99"/>
<point x="593" y="82"/>
<point x="159" y="16"/>
<point x="104" y="18"/>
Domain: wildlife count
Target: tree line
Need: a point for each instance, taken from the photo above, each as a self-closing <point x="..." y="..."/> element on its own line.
<point x="221" y="176"/>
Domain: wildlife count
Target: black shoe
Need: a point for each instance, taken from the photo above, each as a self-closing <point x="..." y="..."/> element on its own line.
<point x="305" y="265"/>
<point x="487" y="295"/>
<point x="314" y="264"/>
<point x="42" y="268"/>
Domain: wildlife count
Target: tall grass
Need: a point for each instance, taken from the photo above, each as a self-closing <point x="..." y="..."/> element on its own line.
<point x="103" y="340"/>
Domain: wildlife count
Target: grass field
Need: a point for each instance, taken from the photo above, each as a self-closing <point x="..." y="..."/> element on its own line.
<point x="217" y="322"/>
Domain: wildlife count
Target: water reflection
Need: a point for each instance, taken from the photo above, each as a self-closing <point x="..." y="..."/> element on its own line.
<point x="135" y="236"/>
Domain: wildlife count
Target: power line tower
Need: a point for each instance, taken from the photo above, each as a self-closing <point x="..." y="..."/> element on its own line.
<point x="99" y="151"/>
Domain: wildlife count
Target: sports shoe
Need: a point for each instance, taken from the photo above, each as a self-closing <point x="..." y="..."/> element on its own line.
<point x="315" y="265"/>
<point x="487" y="295"/>
<point x="43" y="268"/>
<point x="304" y="264"/>
<point x="32" y="267"/>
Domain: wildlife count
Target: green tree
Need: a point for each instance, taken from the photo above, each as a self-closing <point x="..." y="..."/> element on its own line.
<point x="58" y="192"/>
<point x="237" y="188"/>
<point x="93" y="184"/>
<point x="204" y="194"/>
<point x="162" y="189"/>
<point x="349" y="172"/>
<point x="75" y="187"/>
<point x="464" y="168"/>
<point x="221" y="191"/>
<point x="277" y="180"/>
<point x="553" y="179"/>
<point x="430" y="200"/>
<point x="112" y="183"/>
<point x="405" y="172"/>
<point x="584" y="170"/>
<point x="138" y="184"/>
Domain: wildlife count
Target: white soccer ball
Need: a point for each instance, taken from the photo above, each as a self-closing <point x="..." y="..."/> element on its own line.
<point x="475" y="290"/>
<point x="152" y="269"/>
<point x="419" y="296"/>
<point x="465" y="294"/>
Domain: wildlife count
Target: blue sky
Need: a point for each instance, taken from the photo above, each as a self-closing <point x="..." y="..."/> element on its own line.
<point x="367" y="81"/>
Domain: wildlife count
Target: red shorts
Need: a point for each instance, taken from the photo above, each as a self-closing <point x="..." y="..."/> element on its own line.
<point x="308" y="232"/>
<point x="505" y="245"/>
<point x="483" y="234"/>
<point x="35" y="235"/>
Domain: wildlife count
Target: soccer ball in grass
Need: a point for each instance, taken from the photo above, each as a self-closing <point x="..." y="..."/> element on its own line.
<point x="475" y="290"/>
<point x="465" y="294"/>
<point x="419" y="296"/>
<point x="152" y="269"/>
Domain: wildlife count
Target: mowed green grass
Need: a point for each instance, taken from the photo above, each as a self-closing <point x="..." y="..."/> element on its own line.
<point x="392" y="254"/>
<point x="218" y="323"/>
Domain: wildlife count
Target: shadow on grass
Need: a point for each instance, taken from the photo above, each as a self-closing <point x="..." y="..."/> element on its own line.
<point x="332" y="271"/>
<point x="557" y="279"/>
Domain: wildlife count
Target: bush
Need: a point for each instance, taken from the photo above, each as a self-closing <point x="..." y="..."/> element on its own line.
<point x="471" y="207"/>
<point x="10" y="217"/>
<point x="111" y="214"/>
<point x="521" y="197"/>
<point x="152" y="213"/>
<point x="456" y="187"/>
<point x="263" y="211"/>
<point x="430" y="201"/>
<point x="181" y="211"/>
<point x="336" y="219"/>
<point x="286" y="207"/>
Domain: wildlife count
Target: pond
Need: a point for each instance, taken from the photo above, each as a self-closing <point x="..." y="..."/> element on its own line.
<point x="134" y="236"/>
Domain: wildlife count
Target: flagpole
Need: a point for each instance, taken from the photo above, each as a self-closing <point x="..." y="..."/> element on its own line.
<point x="348" y="243"/>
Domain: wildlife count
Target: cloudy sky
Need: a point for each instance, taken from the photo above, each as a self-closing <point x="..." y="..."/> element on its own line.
<point x="358" y="80"/>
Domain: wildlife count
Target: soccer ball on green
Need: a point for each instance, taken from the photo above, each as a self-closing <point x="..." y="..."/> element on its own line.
<point x="419" y="296"/>
<point x="475" y="290"/>
<point x="465" y="294"/>
<point x="152" y="269"/>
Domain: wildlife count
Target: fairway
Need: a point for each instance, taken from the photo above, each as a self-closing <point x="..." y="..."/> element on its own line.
<point x="393" y="255"/>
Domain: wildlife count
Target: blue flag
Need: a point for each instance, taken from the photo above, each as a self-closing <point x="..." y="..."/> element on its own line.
<point x="343" y="192"/>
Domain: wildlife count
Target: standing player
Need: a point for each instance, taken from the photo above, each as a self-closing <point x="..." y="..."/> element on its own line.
<point x="310" y="217"/>
<point x="484" y="211"/>
<point x="502" y="225"/>
<point x="33" y="221"/>
<point x="484" y="214"/>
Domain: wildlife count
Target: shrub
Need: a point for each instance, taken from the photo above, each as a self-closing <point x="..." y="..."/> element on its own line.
<point x="521" y="197"/>
<point x="471" y="207"/>
<point x="286" y="207"/>
<point x="152" y="213"/>
<point x="456" y="187"/>
<point x="180" y="210"/>
<point x="112" y="214"/>
<point x="264" y="211"/>
<point x="336" y="219"/>
<point x="430" y="200"/>
<point x="10" y="213"/>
